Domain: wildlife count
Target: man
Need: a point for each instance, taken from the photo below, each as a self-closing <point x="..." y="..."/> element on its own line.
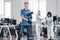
<point x="24" y="23"/>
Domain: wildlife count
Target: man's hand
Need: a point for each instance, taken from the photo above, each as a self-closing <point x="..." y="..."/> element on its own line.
<point x="26" y="19"/>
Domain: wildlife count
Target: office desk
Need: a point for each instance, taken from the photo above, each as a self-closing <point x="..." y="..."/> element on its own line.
<point x="9" y="26"/>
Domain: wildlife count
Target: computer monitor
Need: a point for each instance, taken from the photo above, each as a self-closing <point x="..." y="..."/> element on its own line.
<point x="6" y="20"/>
<point x="12" y="21"/>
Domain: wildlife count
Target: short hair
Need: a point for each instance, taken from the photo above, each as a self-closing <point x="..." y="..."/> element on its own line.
<point x="26" y="3"/>
<point x="49" y="13"/>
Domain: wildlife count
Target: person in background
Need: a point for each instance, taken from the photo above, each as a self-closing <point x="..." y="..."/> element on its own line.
<point x="24" y="23"/>
<point x="49" y="21"/>
<point x="38" y="23"/>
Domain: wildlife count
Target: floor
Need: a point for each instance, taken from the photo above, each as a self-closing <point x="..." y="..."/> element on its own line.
<point x="25" y="38"/>
<point x="57" y="37"/>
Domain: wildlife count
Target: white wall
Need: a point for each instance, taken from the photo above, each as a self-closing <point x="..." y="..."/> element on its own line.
<point x="7" y="0"/>
<point x="16" y="7"/>
<point x="53" y="6"/>
<point x="58" y="7"/>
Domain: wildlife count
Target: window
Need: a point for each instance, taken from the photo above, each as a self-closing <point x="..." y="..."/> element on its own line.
<point x="7" y="9"/>
<point x="42" y="7"/>
<point x="34" y="5"/>
<point x="1" y="8"/>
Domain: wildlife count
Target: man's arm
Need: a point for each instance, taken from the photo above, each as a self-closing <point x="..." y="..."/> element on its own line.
<point x="24" y="18"/>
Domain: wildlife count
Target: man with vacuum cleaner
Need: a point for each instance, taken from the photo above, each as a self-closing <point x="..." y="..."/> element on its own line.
<point x="26" y="21"/>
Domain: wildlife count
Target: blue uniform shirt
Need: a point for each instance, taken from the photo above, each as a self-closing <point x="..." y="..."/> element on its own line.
<point x="24" y="12"/>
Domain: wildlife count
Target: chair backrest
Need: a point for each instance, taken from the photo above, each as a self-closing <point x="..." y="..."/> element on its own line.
<point x="54" y="18"/>
<point x="58" y="18"/>
<point x="12" y="21"/>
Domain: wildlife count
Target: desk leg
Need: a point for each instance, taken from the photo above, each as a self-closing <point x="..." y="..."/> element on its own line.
<point x="10" y="34"/>
<point x="0" y="29"/>
<point x="16" y="33"/>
